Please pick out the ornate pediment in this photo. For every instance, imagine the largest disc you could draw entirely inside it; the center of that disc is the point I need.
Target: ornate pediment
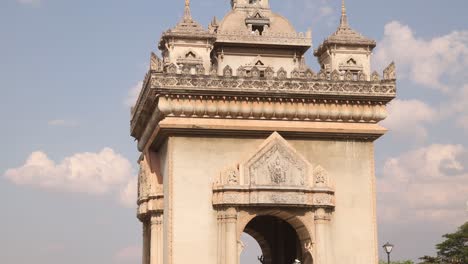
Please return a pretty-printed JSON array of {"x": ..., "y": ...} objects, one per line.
[
  {"x": 275, "y": 174},
  {"x": 276, "y": 163}
]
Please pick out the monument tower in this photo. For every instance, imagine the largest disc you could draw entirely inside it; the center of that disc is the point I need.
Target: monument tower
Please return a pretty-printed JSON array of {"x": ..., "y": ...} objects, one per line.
[{"x": 238, "y": 134}]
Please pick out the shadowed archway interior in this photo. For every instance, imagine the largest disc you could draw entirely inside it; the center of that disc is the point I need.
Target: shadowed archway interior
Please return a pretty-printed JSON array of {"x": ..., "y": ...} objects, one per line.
[{"x": 277, "y": 239}]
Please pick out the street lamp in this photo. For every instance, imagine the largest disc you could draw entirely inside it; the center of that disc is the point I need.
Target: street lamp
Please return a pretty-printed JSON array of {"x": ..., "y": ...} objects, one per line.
[{"x": 388, "y": 249}]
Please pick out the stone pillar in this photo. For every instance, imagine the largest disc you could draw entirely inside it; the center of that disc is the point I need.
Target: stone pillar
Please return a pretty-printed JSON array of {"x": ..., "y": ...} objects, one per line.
[
  {"x": 221, "y": 237},
  {"x": 323, "y": 249},
  {"x": 231, "y": 236},
  {"x": 156, "y": 244},
  {"x": 146, "y": 243}
]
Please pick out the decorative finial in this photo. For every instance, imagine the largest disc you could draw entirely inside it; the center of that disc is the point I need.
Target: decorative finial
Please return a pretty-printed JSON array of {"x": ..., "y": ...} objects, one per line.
[
  {"x": 187, "y": 13},
  {"x": 344, "y": 17}
]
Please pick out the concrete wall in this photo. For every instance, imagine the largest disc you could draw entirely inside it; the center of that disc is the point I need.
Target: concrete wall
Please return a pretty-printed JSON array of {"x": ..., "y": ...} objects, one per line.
[{"x": 197, "y": 162}]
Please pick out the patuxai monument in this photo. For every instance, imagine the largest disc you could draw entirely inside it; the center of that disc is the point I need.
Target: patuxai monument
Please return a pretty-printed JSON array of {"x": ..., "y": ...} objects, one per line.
[{"x": 238, "y": 135}]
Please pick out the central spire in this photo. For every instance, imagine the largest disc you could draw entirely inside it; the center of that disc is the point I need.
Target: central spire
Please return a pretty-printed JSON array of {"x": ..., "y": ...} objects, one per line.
[
  {"x": 344, "y": 17},
  {"x": 187, "y": 13}
]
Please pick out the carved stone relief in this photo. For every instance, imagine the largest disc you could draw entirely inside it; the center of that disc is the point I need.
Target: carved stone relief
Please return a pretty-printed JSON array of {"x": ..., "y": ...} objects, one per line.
[
  {"x": 144, "y": 181},
  {"x": 275, "y": 175},
  {"x": 390, "y": 72},
  {"x": 276, "y": 163}
]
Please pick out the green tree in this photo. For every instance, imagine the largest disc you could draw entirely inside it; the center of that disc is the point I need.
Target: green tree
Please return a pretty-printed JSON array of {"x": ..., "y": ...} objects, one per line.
[
  {"x": 454, "y": 250},
  {"x": 455, "y": 247},
  {"x": 429, "y": 260},
  {"x": 397, "y": 262}
]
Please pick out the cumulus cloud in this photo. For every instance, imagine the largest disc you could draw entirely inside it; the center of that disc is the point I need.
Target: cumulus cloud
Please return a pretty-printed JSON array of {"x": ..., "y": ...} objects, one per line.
[
  {"x": 427, "y": 184},
  {"x": 105, "y": 172},
  {"x": 129, "y": 193},
  {"x": 426, "y": 62},
  {"x": 409, "y": 117},
  {"x": 314, "y": 11},
  {"x": 133, "y": 94},
  {"x": 459, "y": 107}
]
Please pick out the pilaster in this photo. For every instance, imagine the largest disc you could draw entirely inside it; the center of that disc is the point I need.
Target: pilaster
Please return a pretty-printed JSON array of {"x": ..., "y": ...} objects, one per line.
[
  {"x": 146, "y": 242},
  {"x": 156, "y": 244},
  {"x": 323, "y": 248},
  {"x": 228, "y": 252}
]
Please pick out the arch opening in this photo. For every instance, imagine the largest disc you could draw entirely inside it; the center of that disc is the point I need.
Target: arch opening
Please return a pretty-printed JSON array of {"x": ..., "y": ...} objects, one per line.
[
  {"x": 277, "y": 239},
  {"x": 251, "y": 250}
]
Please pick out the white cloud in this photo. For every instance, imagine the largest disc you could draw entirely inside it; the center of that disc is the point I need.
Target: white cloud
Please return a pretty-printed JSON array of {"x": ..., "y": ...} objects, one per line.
[
  {"x": 408, "y": 117},
  {"x": 128, "y": 195},
  {"x": 314, "y": 11},
  {"x": 426, "y": 62},
  {"x": 62, "y": 123},
  {"x": 130, "y": 254},
  {"x": 459, "y": 107},
  {"x": 427, "y": 184},
  {"x": 133, "y": 94},
  {"x": 105, "y": 172}
]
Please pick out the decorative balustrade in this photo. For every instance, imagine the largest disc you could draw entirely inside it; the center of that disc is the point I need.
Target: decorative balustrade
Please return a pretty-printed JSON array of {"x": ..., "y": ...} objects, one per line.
[
  {"x": 309, "y": 84},
  {"x": 306, "y": 96}
]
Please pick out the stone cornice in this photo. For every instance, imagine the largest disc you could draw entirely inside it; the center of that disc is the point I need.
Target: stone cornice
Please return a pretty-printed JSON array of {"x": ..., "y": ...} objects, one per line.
[
  {"x": 173, "y": 126},
  {"x": 317, "y": 89}
]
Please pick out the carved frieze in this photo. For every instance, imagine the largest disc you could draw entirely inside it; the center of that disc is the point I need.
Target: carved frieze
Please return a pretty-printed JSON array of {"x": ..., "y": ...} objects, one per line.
[
  {"x": 144, "y": 180},
  {"x": 280, "y": 83},
  {"x": 150, "y": 193},
  {"x": 275, "y": 175},
  {"x": 270, "y": 109},
  {"x": 246, "y": 36}
]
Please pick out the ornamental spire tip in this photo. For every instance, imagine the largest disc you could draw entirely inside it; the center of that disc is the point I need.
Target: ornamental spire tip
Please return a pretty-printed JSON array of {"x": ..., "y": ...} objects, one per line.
[
  {"x": 187, "y": 13},
  {"x": 344, "y": 17}
]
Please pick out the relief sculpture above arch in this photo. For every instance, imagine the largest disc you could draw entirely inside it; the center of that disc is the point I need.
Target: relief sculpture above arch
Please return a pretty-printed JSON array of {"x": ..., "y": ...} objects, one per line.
[
  {"x": 275, "y": 163},
  {"x": 274, "y": 175}
]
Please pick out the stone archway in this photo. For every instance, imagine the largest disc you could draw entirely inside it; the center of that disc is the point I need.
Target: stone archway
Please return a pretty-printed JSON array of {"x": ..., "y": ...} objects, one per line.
[
  {"x": 262, "y": 243},
  {"x": 298, "y": 222},
  {"x": 274, "y": 186},
  {"x": 278, "y": 240}
]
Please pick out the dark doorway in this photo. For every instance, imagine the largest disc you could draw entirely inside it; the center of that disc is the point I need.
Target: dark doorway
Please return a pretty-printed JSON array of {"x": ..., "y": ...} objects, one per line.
[{"x": 277, "y": 239}]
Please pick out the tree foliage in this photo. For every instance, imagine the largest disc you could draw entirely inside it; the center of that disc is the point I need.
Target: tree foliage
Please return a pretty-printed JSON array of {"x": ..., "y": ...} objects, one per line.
[
  {"x": 453, "y": 250},
  {"x": 397, "y": 262}
]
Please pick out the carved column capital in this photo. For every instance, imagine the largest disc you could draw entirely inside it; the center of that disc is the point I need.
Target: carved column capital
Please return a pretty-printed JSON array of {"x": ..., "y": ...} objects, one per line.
[
  {"x": 156, "y": 219},
  {"x": 230, "y": 215},
  {"x": 322, "y": 215}
]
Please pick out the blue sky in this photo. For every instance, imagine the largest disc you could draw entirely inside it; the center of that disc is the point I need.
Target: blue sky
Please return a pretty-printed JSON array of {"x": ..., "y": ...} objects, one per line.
[{"x": 67, "y": 72}]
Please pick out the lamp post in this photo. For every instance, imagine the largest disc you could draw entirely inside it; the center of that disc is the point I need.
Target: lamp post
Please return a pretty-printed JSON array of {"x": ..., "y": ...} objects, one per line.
[{"x": 388, "y": 249}]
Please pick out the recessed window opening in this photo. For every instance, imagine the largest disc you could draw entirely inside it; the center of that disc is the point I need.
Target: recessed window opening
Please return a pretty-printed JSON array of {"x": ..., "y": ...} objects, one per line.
[
  {"x": 190, "y": 55},
  {"x": 259, "y": 63},
  {"x": 351, "y": 61},
  {"x": 259, "y": 28}
]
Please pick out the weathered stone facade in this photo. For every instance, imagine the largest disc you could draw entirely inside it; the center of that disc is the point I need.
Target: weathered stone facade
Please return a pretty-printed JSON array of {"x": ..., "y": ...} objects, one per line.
[{"x": 238, "y": 135}]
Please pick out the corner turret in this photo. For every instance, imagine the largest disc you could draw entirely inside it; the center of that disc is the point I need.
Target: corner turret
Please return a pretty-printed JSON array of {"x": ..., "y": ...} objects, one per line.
[
  {"x": 346, "y": 51},
  {"x": 186, "y": 48}
]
